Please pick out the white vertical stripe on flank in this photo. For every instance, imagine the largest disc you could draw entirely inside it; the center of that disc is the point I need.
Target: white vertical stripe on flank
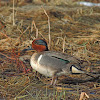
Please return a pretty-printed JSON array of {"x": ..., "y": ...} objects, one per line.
[{"x": 39, "y": 59}]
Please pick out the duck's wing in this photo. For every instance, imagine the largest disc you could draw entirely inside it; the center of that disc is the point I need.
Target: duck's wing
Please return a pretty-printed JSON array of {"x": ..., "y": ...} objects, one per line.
[
  {"x": 52, "y": 61},
  {"x": 64, "y": 56}
]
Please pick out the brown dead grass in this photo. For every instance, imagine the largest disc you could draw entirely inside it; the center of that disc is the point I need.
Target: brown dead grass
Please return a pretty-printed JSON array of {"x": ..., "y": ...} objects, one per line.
[{"x": 73, "y": 29}]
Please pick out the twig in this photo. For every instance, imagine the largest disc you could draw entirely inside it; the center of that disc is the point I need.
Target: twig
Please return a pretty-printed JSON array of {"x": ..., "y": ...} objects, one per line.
[
  {"x": 7, "y": 56},
  {"x": 42, "y": 35},
  {"x": 4, "y": 35},
  {"x": 82, "y": 96},
  {"x": 33, "y": 23},
  {"x": 64, "y": 44},
  {"x": 48, "y": 26},
  {"x": 22, "y": 32},
  {"x": 13, "y": 13}
]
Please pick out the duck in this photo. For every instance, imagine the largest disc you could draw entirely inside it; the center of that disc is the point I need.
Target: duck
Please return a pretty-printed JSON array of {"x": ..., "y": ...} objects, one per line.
[{"x": 52, "y": 63}]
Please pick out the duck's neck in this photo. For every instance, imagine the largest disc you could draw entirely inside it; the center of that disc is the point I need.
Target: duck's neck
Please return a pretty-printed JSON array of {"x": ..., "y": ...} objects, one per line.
[{"x": 46, "y": 49}]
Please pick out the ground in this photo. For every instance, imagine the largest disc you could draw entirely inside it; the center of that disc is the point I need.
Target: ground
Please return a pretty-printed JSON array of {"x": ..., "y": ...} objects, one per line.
[{"x": 67, "y": 27}]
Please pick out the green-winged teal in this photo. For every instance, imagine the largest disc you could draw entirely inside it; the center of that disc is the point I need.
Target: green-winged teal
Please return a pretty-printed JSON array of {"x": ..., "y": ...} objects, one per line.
[{"x": 52, "y": 63}]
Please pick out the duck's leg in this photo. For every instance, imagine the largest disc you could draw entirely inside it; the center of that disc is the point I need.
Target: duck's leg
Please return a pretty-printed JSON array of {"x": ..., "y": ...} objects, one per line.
[{"x": 54, "y": 80}]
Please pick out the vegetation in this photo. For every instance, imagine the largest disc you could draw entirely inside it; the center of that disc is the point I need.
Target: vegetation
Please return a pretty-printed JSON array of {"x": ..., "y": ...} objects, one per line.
[{"x": 67, "y": 27}]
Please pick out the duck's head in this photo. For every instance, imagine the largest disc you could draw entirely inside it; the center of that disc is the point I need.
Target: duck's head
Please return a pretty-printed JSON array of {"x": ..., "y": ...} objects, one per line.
[{"x": 39, "y": 45}]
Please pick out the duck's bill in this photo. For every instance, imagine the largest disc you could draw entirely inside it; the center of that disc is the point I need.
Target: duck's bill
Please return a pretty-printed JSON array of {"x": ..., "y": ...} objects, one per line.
[{"x": 28, "y": 49}]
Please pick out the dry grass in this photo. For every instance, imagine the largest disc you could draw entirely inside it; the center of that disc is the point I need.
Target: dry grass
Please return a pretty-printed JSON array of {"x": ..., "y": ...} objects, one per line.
[{"x": 72, "y": 29}]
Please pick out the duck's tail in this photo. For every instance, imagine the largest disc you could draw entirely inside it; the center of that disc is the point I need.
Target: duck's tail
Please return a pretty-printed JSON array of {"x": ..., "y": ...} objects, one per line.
[
  {"x": 75, "y": 70},
  {"x": 94, "y": 75}
]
